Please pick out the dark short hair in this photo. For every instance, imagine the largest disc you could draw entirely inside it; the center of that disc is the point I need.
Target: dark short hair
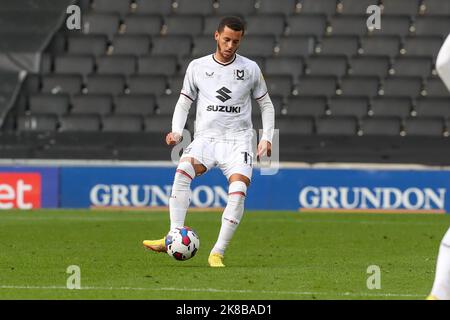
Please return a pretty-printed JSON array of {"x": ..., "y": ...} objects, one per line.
[{"x": 234, "y": 23}]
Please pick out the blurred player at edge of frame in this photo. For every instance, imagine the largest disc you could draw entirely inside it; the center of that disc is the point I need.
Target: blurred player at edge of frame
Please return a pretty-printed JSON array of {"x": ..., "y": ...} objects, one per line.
[
  {"x": 441, "y": 286},
  {"x": 223, "y": 84}
]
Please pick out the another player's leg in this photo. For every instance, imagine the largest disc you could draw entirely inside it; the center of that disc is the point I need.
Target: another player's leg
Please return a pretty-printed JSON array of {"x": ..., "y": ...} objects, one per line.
[
  {"x": 441, "y": 286},
  {"x": 179, "y": 200},
  {"x": 231, "y": 218}
]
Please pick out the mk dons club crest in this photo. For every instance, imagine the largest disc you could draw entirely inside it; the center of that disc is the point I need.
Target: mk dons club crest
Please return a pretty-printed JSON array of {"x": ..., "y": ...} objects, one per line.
[{"x": 239, "y": 74}]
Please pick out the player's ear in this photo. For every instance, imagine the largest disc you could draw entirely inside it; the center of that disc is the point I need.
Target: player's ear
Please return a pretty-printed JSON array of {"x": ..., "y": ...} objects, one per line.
[{"x": 216, "y": 35}]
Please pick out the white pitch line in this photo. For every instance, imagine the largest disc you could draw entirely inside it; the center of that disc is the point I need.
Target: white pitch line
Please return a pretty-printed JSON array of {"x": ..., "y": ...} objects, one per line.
[
  {"x": 212, "y": 290},
  {"x": 81, "y": 219},
  {"x": 205, "y": 218}
]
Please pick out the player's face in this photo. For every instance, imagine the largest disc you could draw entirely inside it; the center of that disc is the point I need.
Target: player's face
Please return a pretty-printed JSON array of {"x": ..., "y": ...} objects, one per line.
[{"x": 227, "y": 42}]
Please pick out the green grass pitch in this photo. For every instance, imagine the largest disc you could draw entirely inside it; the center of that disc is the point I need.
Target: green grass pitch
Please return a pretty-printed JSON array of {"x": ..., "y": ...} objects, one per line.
[{"x": 274, "y": 255}]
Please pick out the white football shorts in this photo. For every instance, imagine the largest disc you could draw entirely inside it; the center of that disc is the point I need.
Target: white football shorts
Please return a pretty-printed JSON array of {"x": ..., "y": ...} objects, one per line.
[{"x": 231, "y": 156}]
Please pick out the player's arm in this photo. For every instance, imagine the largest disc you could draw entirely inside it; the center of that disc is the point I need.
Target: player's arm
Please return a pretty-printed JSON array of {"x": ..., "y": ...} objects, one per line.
[
  {"x": 261, "y": 95},
  {"x": 187, "y": 96},
  {"x": 179, "y": 118},
  {"x": 443, "y": 62},
  {"x": 268, "y": 122}
]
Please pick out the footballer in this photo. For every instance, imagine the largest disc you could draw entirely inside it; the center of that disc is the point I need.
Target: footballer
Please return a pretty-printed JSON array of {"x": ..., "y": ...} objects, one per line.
[
  {"x": 223, "y": 83},
  {"x": 441, "y": 286}
]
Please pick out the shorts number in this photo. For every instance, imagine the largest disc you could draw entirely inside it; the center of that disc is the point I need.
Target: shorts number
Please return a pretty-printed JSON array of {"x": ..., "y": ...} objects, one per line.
[{"x": 248, "y": 159}]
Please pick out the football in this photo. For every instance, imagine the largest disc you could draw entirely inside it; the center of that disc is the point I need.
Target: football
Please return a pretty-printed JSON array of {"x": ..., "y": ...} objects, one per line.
[{"x": 182, "y": 243}]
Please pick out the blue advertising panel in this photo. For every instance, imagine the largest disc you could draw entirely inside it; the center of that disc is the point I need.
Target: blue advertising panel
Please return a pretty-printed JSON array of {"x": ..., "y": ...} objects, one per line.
[
  {"x": 83, "y": 187},
  {"x": 28, "y": 187},
  {"x": 290, "y": 189},
  {"x": 351, "y": 190}
]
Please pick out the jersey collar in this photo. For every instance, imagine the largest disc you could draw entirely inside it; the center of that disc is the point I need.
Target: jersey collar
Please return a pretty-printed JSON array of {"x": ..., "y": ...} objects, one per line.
[{"x": 224, "y": 64}]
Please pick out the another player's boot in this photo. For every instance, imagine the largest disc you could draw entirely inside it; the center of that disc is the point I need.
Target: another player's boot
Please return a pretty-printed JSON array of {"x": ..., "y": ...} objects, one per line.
[
  {"x": 215, "y": 260},
  {"x": 431, "y": 297},
  {"x": 156, "y": 245}
]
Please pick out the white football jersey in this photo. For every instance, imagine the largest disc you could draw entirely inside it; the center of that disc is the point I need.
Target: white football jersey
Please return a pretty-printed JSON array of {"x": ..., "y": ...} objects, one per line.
[{"x": 223, "y": 93}]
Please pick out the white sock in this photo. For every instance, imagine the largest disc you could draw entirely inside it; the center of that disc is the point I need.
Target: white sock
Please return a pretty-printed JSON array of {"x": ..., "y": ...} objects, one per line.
[
  {"x": 181, "y": 194},
  {"x": 232, "y": 215},
  {"x": 441, "y": 286}
]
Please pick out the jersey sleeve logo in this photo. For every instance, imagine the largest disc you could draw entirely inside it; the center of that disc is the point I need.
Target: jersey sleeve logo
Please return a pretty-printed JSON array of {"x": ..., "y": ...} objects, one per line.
[{"x": 223, "y": 96}]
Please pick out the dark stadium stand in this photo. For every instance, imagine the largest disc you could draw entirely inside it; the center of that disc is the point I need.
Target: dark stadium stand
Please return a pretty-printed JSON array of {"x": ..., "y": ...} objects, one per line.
[{"x": 342, "y": 92}]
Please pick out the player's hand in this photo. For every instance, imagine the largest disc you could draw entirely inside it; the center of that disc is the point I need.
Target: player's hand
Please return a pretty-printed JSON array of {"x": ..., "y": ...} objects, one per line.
[
  {"x": 173, "y": 138},
  {"x": 264, "y": 148}
]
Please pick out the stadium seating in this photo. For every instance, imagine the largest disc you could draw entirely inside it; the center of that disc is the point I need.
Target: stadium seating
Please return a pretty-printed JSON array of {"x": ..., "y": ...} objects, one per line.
[
  {"x": 437, "y": 7},
  {"x": 136, "y": 104},
  {"x": 432, "y": 126},
  {"x": 295, "y": 46},
  {"x": 314, "y": 106},
  {"x": 203, "y": 7},
  {"x": 390, "y": 106},
  {"x": 311, "y": 24},
  {"x": 235, "y": 7},
  {"x": 281, "y": 66},
  {"x": 422, "y": 46},
  {"x": 144, "y": 24},
  {"x": 381, "y": 126},
  {"x": 286, "y": 7},
  {"x": 100, "y": 104},
  {"x": 131, "y": 44},
  {"x": 265, "y": 24},
  {"x": 317, "y": 85},
  {"x": 86, "y": 44},
  {"x": 432, "y": 107},
  {"x": 338, "y": 125},
  {"x": 343, "y": 45},
  {"x": 348, "y": 25},
  {"x": 349, "y": 106},
  {"x": 107, "y": 6},
  {"x": 359, "y": 85},
  {"x": 37, "y": 123},
  {"x": 327, "y": 73},
  {"x": 327, "y": 65},
  {"x": 82, "y": 64},
  {"x": 431, "y": 26},
  {"x": 79, "y": 123},
  {"x": 327, "y": 7},
  {"x": 159, "y": 7},
  {"x": 101, "y": 23},
  {"x": 380, "y": 45},
  {"x": 369, "y": 66},
  {"x": 349, "y": 7},
  {"x": 400, "y": 7},
  {"x": 56, "y": 104},
  {"x": 395, "y": 25}
]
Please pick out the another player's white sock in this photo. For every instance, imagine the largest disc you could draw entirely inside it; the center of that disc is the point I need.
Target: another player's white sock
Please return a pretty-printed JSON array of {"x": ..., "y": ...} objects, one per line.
[
  {"x": 181, "y": 194},
  {"x": 232, "y": 215},
  {"x": 441, "y": 286}
]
